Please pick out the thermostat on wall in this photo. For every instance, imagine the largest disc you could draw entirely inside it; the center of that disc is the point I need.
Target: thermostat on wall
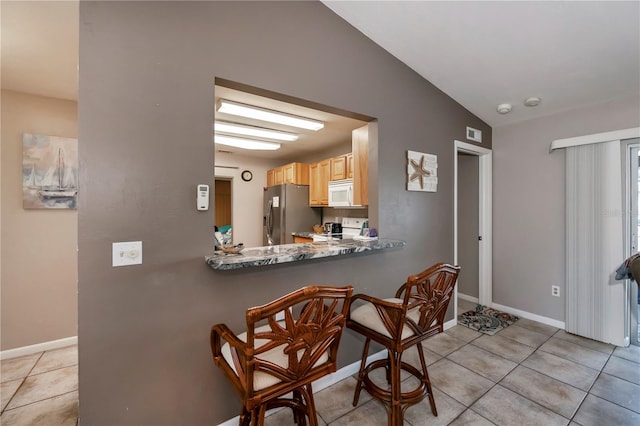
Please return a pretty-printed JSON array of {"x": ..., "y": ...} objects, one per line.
[{"x": 202, "y": 199}]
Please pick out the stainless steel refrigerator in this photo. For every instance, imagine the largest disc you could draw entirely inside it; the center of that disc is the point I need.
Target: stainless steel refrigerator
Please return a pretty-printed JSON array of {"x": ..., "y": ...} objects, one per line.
[{"x": 286, "y": 210}]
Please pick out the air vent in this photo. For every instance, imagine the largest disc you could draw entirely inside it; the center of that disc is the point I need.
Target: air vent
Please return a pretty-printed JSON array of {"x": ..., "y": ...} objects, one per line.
[{"x": 474, "y": 134}]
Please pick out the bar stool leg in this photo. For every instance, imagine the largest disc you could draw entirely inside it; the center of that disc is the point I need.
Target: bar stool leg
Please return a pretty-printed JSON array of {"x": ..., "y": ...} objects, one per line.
[
  {"x": 432, "y": 401},
  {"x": 311, "y": 406},
  {"x": 298, "y": 415},
  {"x": 396, "y": 397},
  {"x": 365, "y": 352},
  {"x": 257, "y": 416},
  {"x": 245, "y": 417}
]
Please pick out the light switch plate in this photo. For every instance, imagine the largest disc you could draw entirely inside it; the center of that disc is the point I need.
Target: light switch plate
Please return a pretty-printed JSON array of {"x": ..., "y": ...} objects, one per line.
[{"x": 127, "y": 253}]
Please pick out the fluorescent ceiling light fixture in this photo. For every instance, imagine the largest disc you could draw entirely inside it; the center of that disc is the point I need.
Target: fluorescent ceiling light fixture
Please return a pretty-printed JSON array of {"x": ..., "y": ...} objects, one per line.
[
  {"x": 228, "y": 107},
  {"x": 257, "y": 132},
  {"x": 246, "y": 143}
]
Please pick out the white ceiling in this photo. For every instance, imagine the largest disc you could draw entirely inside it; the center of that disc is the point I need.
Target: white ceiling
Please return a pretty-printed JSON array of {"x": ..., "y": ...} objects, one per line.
[
  {"x": 336, "y": 133},
  {"x": 482, "y": 54}
]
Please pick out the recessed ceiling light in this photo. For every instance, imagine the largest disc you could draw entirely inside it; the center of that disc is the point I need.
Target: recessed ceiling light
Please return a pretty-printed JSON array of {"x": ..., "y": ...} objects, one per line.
[
  {"x": 246, "y": 143},
  {"x": 504, "y": 108},
  {"x": 249, "y": 111},
  {"x": 257, "y": 132},
  {"x": 532, "y": 101}
]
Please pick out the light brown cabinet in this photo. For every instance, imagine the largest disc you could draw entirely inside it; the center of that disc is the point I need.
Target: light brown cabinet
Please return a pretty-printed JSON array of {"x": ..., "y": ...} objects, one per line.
[
  {"x": 271, "y": 179},
  {"x": 278, "y": 176},
  {"x": 354, "y": 165},
  {"x": 298, "y": 239},
  {"x": 319, "y": 174},
  {"x": 360, "y": 146},
  {"x": 338, "y": 167},
  {"x": 295, "y": 173}
]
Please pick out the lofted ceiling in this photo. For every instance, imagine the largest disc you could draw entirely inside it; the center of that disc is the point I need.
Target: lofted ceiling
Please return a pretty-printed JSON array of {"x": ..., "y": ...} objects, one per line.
[
  {"x": 482, "y": 53},
  {"x": 570, "y": 54}
]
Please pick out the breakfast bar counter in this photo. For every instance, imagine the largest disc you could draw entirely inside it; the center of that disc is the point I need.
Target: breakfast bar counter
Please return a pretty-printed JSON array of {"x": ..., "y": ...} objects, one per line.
[{"x": 271, "y": 255}]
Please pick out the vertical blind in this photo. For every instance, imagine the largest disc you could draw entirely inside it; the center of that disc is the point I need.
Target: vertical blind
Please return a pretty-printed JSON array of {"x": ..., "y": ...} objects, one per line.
[{"x": 596, "y": 304}]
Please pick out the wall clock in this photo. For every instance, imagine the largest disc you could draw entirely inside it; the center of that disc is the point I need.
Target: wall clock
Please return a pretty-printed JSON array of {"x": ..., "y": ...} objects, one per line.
[{"x": 246, "y": 175}]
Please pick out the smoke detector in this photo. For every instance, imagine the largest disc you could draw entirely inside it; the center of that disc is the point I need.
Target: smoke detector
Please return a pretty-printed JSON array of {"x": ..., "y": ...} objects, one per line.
[
  {"x": 532, "y": 101},
  {"x": 504, "y": 108}
]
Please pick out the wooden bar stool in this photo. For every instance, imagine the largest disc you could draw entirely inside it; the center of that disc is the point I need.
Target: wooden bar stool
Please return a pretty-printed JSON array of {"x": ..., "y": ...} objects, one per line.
[
  {"x": 275, "y": 358},
  {"x": 415, "y": 314}
]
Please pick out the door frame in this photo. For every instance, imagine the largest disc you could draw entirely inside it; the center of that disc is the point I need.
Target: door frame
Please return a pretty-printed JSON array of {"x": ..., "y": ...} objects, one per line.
[
  {"x": 231, "y": 180},
  {"x": 485, "y": 214},
  {"x": 630, "y": 209}
]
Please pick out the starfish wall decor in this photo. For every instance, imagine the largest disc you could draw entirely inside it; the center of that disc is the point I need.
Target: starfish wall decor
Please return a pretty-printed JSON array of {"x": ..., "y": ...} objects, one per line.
[{"x": 422, "y": 172}]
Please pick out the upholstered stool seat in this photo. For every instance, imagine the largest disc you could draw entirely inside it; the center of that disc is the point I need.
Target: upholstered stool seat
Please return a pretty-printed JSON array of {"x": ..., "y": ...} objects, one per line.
[
  {"x": 415, "y": 313},
  {"x": 277, "y": 356},
  {"x": 273, "y": 363}
]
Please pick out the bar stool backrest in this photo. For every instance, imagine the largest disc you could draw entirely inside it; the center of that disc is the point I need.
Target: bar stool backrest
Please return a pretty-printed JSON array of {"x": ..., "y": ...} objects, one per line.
[{"x": 429, "y": 293}]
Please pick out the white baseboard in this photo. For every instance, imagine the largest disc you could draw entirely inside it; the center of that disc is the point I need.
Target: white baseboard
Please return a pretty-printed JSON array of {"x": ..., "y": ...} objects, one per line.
[
  {"x": 326, "y": 381},
  {"x": 529, "y": 315},
  {"x": 39, "y": 347},
  {"x": 451, "y": 323},
  {"x": 468, "y": 298}
]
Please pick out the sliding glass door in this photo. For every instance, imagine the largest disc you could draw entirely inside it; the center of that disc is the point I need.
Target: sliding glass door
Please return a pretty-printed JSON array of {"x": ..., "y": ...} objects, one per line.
[{"x": 632, "y": 198}]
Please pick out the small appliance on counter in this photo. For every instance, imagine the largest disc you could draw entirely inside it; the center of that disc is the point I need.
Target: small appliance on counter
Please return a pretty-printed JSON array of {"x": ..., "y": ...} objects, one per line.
[
  {"x": 332, "y": 232},
  {"x": 333, "y": 228}
]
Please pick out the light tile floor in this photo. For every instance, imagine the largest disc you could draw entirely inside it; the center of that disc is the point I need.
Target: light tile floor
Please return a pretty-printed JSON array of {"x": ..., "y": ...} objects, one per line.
[
  {"x": 40, "y": 389},
  {"x": 528, "y": 373}
]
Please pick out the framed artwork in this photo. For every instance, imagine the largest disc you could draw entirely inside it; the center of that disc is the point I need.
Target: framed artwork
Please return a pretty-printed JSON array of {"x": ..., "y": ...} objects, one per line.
[
  {"x": 49, "y": 172},
  {"x": 422, "y": 172}
]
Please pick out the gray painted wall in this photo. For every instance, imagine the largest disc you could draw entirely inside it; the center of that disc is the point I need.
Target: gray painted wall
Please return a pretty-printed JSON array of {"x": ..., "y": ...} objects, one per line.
[
  {"x": 528, "y": 203},
  {"x": 468, "y": 217},
  {"x": 145, "y": 110}
]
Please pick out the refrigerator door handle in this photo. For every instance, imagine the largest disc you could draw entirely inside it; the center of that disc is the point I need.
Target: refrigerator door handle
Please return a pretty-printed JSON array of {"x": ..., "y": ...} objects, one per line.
[{"x": 270, "y": 222}]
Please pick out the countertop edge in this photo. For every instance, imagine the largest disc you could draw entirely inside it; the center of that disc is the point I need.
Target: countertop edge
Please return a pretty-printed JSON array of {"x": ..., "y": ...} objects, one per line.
[{"x": 262, "y": 256}]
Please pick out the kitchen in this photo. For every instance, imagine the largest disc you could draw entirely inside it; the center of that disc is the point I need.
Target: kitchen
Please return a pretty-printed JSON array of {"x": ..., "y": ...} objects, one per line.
[{"x": 330, "y": 161}]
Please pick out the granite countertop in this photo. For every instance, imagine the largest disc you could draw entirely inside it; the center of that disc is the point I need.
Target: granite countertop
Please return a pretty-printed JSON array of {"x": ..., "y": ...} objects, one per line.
[
  {"x": 271, "y": 255},
  {"x": 304, "y": 234}
]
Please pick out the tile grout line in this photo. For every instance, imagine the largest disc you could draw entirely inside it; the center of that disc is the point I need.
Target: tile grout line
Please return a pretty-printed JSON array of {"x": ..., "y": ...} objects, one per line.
[
  {"x": 22, "y": 383},
  {"x": 519, "y": 364},
  {"x": 39, "y": 401},
  {"x": 585, "y": 391},
  {"x": 591, "y": 387},
  {"x": 5, "y": 409}
]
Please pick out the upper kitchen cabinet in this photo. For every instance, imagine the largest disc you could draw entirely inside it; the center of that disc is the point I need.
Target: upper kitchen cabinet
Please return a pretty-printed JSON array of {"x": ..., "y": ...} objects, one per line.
[
  {"x": 295, "y": 173},
  {"x": 339, "y": 168},
  {"x": 278, "y": 176},
  {"x": 319, "y": 174},
  {"x": 360, "y": 146},
  {"x": 271, "y": 177}
]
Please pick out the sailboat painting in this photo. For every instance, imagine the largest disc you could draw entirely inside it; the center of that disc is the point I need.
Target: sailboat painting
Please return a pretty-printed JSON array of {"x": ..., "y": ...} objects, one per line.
[{"x": 49, "y": 172}]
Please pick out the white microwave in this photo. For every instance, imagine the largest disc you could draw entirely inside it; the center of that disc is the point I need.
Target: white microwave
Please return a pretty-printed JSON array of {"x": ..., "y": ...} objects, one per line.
[{"x": 341, "y": 193}]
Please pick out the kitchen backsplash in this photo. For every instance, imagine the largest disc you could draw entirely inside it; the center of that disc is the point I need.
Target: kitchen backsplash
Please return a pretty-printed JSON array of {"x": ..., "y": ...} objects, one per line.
[{"x": 333, "y": 214}]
